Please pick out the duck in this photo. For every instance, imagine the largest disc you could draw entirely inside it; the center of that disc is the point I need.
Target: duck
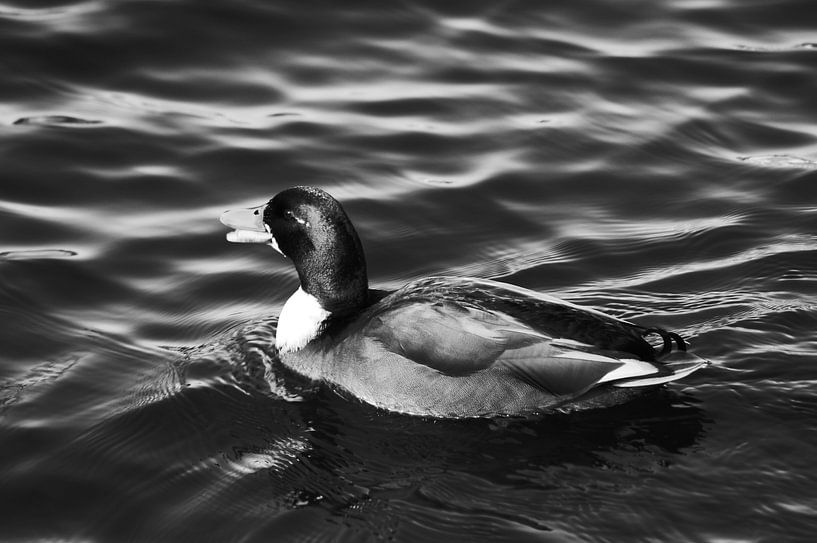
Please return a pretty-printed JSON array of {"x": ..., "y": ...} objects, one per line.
[{"x": 444, "y": 346}]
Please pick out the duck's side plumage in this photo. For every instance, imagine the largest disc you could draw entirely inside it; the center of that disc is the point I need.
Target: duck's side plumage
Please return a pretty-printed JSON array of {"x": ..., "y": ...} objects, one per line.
[{"x": 461, "y": 347}]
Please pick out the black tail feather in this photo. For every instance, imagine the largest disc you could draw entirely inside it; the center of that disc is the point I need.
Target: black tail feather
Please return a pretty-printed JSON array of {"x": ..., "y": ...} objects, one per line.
[
  {"x": 668, "y": 338},
  {"x": 679, "y": 341}
]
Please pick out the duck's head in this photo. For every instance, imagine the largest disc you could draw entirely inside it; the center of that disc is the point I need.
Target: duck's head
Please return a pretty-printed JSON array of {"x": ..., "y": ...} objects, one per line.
[{"x": 309, "y": 227}]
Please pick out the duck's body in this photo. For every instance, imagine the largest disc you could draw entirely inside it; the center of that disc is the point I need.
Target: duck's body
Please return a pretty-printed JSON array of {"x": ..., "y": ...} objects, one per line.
[{"x": 444, "y": 346}]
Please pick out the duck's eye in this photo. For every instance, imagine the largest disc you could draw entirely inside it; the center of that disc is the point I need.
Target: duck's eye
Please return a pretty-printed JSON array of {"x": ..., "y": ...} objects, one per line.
[
  {"x": 290, "y": 216},
  {"x": 255, "y": 212}
]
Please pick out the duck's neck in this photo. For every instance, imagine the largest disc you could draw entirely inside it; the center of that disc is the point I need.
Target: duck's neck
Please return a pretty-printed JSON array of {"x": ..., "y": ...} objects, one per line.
[
  {"x": 301, "y": 320},
  {"x": 332, "y": 271},
  {"x": 332, "y": 268}
]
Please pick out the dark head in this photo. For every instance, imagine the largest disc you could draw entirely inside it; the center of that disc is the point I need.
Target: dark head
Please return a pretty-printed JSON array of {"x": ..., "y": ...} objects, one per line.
[{"x": 310, "y": 228}]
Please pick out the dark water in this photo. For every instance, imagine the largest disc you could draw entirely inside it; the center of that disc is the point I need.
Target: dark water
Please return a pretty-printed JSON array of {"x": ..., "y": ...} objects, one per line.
[{"x": 657, "y": 160}]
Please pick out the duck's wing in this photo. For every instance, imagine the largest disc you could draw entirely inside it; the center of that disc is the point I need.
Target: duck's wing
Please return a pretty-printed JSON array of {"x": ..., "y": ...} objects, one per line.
[
  {"x": 457, "y": 340},
  {"x": 542, "y": 313}
]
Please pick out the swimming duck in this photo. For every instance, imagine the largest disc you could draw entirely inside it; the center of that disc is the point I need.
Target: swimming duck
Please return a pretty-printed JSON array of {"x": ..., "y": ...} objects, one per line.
[{"x": 443, "y": 346}]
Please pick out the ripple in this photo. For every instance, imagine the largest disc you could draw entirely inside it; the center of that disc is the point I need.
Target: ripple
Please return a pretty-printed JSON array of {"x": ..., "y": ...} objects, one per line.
[
  {"x": 56, "y": 120},
  {"x": 33, "y": 254},
  {"x": 68, "y": 17},
  {"x": 11, "y": 392},
  {"x": 767, "y": 49},
  {"x": 780, "y": 161}
]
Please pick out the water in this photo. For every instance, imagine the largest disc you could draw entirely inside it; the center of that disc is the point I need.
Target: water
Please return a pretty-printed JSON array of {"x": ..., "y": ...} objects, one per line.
[{"x": 657, "y": 160}]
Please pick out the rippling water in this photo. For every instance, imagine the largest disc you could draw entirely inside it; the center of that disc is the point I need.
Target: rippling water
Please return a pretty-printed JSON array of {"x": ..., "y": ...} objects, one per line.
[{"x": 657, "y": 160}]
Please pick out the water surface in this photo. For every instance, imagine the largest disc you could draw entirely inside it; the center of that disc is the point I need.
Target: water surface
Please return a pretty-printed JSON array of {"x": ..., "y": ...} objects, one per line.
[{"x": 656, "y": 160}]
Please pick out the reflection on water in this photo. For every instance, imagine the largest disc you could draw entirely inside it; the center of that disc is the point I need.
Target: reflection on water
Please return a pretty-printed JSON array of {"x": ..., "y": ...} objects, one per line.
[{"x": 655, "y": 161}]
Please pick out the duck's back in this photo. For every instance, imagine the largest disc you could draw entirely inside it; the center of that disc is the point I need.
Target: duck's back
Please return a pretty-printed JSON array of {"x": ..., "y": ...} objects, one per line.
[{"x": 478, "y": 300}]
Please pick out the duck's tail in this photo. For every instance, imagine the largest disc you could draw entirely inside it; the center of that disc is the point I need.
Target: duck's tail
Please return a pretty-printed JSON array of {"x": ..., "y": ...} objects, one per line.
[{"x": 674, "y": 365}]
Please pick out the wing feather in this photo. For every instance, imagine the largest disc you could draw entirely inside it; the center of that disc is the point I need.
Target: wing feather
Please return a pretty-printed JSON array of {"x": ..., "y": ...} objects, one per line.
[{"x": 459, "y": 340}]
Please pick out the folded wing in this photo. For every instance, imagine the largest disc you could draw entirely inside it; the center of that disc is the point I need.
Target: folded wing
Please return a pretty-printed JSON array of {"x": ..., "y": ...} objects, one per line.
[{"x": 459, "y": 339}]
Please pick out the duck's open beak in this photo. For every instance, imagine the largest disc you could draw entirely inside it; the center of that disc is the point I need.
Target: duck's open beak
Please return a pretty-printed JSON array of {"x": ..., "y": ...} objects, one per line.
[{"x": 248, "y": 224}]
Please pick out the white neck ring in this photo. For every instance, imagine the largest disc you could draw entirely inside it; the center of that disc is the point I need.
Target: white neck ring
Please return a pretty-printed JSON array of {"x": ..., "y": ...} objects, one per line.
[{"x": 300, "y": 322}]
